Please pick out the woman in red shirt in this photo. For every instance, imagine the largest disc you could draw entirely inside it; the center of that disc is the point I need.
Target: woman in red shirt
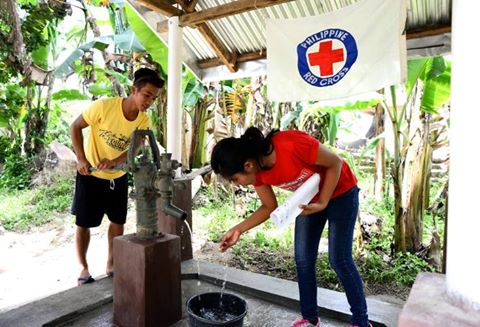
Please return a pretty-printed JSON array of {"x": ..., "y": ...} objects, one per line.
[{"x": 286, "y": 159}]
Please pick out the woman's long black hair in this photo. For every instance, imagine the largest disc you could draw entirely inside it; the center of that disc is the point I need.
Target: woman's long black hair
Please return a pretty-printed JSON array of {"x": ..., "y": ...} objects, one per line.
[{"x": 230, "y": 154}]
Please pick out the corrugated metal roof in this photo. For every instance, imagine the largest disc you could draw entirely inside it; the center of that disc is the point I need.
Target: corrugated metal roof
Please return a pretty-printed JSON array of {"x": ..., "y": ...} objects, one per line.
[{"x": 245, "y": 32}]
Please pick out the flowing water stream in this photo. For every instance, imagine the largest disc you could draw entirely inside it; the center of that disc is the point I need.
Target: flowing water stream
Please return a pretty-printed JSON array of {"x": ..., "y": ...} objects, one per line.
[
  {"x": 218, "y": 313},
  {"x": 191, "y": 239}
]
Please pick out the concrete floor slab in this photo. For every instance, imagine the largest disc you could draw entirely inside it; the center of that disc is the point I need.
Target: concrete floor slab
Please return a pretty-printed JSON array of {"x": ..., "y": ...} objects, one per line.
[
  {"x": 429, "y": 306},
  {"x": 260, "y": 313},
  {"x": 272, "y": 301},
  {"x": 283, "y": 292}
]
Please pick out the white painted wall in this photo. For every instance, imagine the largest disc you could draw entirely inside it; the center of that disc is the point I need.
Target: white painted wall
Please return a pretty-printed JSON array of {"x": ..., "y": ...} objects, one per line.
[{"x": 463, "y": 248}]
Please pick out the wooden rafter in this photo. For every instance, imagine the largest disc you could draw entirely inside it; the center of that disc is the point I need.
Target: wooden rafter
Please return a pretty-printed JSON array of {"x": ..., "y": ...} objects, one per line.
[
  {"x": 224, "y": 56},
  {"x": 191, "y": 6},
  {"x": 192, "y": 18},
  {"x": 163, "y": 7},
  {"x": 232, "y": 8},
  {"x": 429, "y": 32},
  {"x": 250, "y": 56}
]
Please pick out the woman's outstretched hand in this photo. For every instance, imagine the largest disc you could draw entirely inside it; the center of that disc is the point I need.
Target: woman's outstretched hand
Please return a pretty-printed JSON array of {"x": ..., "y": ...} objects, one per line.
[
  {"x": 308, "y": 209},
  {"x": 230, "y": 238}
]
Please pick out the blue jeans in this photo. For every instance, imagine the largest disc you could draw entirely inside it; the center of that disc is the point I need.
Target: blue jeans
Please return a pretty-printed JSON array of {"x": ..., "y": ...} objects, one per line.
[{"x": 341, "y": 214}]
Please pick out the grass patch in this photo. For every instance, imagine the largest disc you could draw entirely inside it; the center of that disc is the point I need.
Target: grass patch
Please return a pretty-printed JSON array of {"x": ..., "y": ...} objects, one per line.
[
  {"x": 22, "y": 209},
  {"x": 267, "y": 251}
]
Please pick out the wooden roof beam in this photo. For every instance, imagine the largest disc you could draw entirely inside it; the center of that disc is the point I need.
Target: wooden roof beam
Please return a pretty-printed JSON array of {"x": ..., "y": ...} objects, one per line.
[
  {"x": 232, "y": 8},
  {"x": 224, "y": 56},
  {"x": 437, "y": 30},
  {"x": 191, "y": 6},
  {"x": 250, "y": 56},
  {"x": 163, "y": 7}
]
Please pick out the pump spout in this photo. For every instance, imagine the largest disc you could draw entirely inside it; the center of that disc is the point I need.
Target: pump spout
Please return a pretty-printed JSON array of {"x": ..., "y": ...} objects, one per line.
[{"x": 173, "y": 211}]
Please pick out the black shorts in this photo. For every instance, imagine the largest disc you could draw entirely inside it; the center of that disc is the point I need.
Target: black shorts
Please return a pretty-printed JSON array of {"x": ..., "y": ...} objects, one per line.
[{"x": 95, "y": 197}]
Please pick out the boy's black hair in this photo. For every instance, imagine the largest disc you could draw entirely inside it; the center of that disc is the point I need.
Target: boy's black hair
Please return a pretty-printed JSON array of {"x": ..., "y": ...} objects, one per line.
[
  {"x": 230, "y": 154},
  {"x": 146, "y": 75}
]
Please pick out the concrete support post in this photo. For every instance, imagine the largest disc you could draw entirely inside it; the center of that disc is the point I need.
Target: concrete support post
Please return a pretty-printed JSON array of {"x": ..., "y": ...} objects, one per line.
[
  {"x": 463, "y": 264},
  {"x": 174, "y": 109},
  {"x": 454, "y": 299}
]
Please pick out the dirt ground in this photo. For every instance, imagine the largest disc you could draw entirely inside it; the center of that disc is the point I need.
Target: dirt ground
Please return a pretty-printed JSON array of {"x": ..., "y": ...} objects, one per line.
[{"x": 42, "y": 262}]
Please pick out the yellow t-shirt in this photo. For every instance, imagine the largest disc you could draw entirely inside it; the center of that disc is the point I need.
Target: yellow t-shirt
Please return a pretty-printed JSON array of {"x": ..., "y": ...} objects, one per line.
[{"x": 110, "y": 133}]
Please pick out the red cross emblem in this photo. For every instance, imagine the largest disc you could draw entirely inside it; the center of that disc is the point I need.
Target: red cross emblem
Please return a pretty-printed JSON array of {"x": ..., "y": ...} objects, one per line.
[{"x": 326, "y": 57}]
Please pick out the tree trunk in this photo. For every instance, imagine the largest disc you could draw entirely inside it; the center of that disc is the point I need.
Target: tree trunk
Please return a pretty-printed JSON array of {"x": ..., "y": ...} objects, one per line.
[
  {"x": 161, "y": 124},
  {"x": 19, "y": 57},
  {"x": 445, "y": 233},
  {"x": 250, "y": 112},
  {"x": 379, "y": 179},
  {"x": 29, "y": 125},
  {"x": 197, "y": 147},
  {"x": 416, "y": 174},
  {"x": 263, "y": 116},
  {"x": 397, "y": 175}
]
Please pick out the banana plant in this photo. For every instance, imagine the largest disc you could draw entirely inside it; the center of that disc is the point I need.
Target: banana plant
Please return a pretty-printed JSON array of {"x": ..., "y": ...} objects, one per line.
[
  {"x": 427, "y": 90},
  {"x": 195, "y": 102},
  {"x": 148, "y": 38},
  {"x": 322, "y": 119}
]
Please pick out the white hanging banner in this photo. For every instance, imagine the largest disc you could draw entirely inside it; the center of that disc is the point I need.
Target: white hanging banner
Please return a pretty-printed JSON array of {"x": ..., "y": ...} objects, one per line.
[{"x": 356, "y": 49}]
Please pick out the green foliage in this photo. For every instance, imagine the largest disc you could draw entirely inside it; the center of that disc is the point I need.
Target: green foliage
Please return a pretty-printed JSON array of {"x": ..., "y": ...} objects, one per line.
[
  {"x": 193, "y": 90},
  {"x": 262, "y": 240},
  {"x": 55, "y": 197},
  {"x": 382, "y": 209},
  {"x": 12, "y": 99},
  {"x": 218, "y": 210},
  {"x": 434, "y": 73},
  {"x": 401, "y": 270},
  {"x": 148, "y": 38},
  {"x": 58, "y": 128},
  {"x": 5, "y": 146},
  {"x": 36, "y": 19},
  {"x": 376, "y": 264},
  {"x": 220, "y": 223},
  {"x": 17, "y": 172},
  {"x": 20, "y": 210},
  {"x": 326, "y": 276},
  {"x": 69, "y": 95}
]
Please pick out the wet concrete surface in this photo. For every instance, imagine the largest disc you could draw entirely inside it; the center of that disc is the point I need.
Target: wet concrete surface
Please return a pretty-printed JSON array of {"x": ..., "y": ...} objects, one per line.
[
  {"x": 271, "y": 301},
  {"x": 260, "y": 313}
]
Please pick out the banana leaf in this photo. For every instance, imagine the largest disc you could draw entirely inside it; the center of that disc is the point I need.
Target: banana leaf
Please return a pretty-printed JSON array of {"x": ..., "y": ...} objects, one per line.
[
  {"x": 66, "y": 68},
  {"x": 71, "y": 94},
  {"x": 126, "y": 41},
  {"x": 148, "y": 38},
  {"x": 435, "y": 76}
]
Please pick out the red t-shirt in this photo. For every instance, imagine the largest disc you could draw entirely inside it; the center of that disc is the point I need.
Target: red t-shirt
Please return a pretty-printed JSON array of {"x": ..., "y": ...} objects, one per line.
[{"x": 296, "y": 154}]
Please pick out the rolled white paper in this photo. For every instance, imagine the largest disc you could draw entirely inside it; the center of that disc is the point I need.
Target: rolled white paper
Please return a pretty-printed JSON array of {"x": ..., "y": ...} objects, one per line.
[{"x": 288, "y": 211}]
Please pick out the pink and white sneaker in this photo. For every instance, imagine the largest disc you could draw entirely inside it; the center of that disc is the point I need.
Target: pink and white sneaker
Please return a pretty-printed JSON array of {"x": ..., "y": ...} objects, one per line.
[{"x": 304, "y": 323}]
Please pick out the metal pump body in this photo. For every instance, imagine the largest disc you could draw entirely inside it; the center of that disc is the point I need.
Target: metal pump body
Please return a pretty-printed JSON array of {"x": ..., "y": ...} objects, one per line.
[{"x": 153, "y": 178}]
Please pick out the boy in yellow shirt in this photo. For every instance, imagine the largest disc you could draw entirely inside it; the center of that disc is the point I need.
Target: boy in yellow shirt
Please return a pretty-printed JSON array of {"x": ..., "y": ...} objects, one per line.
[{"x": 104, "y": 191}]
